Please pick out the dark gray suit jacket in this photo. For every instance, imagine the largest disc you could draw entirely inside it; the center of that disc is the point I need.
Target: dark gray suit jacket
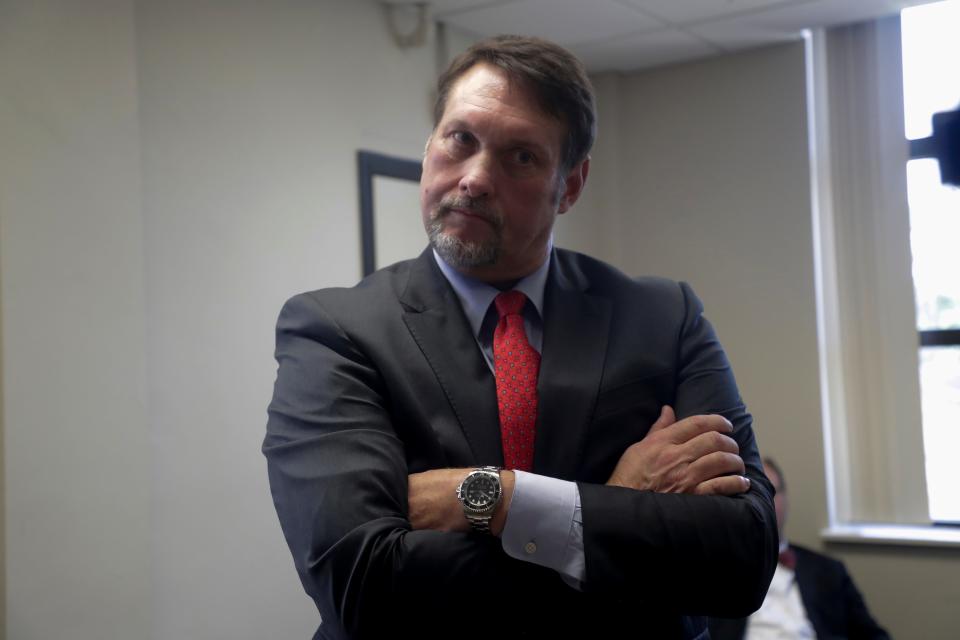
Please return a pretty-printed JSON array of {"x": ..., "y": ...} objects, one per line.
[{"x": 386, "y": 379}]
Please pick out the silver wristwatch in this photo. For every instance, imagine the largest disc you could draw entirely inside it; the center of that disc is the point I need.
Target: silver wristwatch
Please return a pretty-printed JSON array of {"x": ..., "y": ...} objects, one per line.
[{"x": 480, "y": 493}]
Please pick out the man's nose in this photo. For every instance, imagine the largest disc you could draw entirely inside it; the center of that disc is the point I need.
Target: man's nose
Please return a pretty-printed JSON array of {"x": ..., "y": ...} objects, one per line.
[{"x": 477, "y": 179}]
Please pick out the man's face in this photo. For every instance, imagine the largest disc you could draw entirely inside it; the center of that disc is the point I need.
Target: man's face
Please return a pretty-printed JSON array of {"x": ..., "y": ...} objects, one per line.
[
  {"x": 492, "y": 185},
  {"x": 780, "y": 499}
]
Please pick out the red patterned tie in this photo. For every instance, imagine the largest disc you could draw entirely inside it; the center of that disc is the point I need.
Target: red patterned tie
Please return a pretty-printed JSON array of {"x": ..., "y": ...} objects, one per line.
[
  {"x": 516, "y": 365},
  {"x": 788, "y": 558}
]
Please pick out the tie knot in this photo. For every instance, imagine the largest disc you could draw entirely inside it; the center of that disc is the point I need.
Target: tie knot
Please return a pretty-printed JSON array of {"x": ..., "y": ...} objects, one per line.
[{"x": 509, "y": 303}]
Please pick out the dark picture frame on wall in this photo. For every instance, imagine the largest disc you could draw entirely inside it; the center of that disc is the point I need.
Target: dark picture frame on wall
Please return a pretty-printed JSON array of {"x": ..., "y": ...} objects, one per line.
[{"x": 371, "y": 164}]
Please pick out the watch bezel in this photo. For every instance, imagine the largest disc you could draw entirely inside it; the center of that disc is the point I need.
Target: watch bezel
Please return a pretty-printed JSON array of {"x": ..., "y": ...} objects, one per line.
[{"x": 492, "y": 473}]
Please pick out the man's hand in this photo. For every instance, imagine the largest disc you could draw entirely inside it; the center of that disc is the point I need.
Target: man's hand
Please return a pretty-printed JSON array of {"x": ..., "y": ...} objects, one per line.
[
  {"x": 694, "y": 455},
  {"x": 432, "y": 497}
]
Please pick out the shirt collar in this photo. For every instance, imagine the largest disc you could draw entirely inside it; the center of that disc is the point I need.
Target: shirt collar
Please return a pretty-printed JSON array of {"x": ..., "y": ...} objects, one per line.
[{"x": 475, "y": 296}]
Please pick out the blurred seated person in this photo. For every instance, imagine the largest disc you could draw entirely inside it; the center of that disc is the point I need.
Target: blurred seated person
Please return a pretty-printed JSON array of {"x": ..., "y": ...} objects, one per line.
[{"x": 811, "y": 595}]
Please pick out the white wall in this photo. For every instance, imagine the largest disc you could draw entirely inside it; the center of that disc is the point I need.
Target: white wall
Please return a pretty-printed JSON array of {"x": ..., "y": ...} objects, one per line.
[
  {"x": 78, "y": 520},
  {"x": 170, "y": 172}
]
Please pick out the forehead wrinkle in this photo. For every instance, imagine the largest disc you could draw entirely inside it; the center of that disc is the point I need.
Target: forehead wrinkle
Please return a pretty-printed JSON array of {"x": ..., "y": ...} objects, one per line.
[
  {"x": 487, "y": 87},
  {"x": 494, "y": 102}
]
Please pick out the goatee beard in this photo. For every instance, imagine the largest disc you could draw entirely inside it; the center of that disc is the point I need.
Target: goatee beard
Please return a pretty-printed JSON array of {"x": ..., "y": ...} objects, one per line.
[{"x": 462, "y": 254}]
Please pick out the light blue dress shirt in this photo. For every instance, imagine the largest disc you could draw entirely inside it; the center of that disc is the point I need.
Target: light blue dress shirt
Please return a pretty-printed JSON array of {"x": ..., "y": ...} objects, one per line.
[{"x": 544, "y": 524}]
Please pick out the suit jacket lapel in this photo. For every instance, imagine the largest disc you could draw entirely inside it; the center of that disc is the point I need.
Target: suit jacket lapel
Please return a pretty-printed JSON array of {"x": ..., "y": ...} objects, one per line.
[
  {"x": 576, "y": 327},
  {"x": 435, "y": 319}
]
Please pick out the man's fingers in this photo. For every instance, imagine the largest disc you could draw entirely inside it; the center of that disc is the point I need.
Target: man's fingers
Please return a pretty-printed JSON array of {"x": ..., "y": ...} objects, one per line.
[
  {"x": 691, "y": 427},
  {"x": 724, "y": 486},
  {"x": 667, "y": 418},
  {"x": 715, "y": 465},
  {"x": 707, "y": 443}
]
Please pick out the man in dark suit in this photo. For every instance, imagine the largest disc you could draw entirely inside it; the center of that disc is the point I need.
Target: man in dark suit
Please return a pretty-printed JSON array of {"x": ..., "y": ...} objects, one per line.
[
  {"x": 500, "y": 438},
  {"x": 811, "y": 596}
]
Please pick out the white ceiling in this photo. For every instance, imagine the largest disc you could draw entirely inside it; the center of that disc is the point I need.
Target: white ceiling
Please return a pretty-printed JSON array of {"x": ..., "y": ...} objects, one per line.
[{"x": 625, "y": 35}]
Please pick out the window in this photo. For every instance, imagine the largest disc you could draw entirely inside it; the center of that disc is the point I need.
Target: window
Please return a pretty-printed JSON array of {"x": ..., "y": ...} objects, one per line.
[
  {"x": 930, "y": 52},
  {"x": 877, "y": 422}
]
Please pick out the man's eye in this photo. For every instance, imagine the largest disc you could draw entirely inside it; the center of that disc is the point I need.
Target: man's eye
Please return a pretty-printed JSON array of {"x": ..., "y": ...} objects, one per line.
[
  {"x": 461, "y": 137},
  {"x": 523, "y": 157}
]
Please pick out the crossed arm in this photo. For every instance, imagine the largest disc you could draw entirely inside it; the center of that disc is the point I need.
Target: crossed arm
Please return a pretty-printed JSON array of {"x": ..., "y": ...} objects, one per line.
[{"x": 693, "y": 456}]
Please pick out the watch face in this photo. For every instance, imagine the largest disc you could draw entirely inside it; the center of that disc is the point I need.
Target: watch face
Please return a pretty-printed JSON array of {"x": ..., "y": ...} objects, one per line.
[{"x": 481, "y": 491}]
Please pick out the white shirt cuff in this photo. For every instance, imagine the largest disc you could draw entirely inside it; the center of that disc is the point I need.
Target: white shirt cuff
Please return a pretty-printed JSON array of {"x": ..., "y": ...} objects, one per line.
[{"x": 544, "y": 525}]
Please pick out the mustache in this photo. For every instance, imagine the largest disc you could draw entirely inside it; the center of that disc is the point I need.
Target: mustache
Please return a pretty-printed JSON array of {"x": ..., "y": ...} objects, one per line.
[{"x": 476, "y": 206}]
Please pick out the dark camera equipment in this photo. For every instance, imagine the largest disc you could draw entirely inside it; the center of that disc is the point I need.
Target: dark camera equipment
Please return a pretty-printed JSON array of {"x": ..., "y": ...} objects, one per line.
[{"x": 944, "y": 145}]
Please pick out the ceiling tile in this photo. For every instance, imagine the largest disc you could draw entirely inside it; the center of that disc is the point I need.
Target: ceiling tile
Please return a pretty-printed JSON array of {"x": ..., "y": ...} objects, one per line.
[
  {"x": 606, "y": 32},
  {"x": 733, "y": 34},
  {"x": 564, "y": 21},
  {"x": 824, "y": 13},
  {"x": 684, "y": 11},
  {"x": 642, "y": 51},
  {"x": 440, "y": 8},
  {"x": 786, "y": 22}
]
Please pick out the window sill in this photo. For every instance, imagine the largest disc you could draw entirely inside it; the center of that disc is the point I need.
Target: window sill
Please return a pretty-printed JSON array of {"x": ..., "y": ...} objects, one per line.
[{"x": 894, "y": 534}]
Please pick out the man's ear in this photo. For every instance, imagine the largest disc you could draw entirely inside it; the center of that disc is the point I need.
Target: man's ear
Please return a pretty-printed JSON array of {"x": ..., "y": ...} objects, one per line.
[{"x": 573, "y": 185}]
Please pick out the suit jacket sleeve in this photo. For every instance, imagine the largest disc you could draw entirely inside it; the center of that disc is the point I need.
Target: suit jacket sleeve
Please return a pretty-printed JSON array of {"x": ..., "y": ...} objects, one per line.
[
  {"x": 709, "y": 555},
  {"x": 338, "y": 476}
]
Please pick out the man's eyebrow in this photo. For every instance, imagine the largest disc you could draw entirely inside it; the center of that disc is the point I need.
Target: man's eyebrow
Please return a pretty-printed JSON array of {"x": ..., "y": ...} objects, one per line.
[
  {"x": 455, "y": 123},
  {"x": 511, "y": 141},
  {"x": 524, "y": 142}
]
